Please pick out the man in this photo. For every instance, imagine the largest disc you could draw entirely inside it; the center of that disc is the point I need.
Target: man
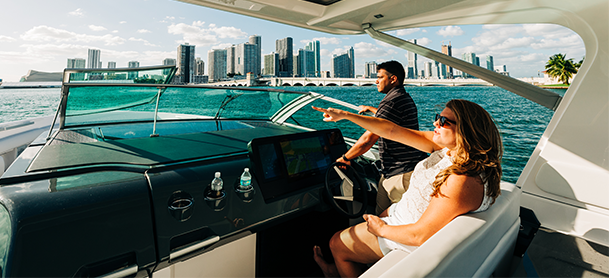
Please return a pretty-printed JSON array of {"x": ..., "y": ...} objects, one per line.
[{"x": 397, "y": 160}]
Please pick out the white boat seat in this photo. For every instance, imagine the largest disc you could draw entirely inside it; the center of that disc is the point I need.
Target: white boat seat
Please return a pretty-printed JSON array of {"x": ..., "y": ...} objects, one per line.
[{"x": 472, "y": 245}]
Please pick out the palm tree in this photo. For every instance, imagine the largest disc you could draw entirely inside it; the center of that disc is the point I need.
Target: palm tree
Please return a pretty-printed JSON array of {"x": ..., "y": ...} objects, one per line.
[{"x": 560, "y": 67}]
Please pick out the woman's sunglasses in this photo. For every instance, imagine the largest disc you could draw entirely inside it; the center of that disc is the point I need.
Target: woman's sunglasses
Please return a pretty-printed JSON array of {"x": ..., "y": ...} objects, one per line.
[{"x": 443, "y": 120}]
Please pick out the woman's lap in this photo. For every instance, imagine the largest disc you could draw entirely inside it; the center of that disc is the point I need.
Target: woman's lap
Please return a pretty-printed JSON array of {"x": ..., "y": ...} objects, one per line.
[{"x": 357, "y": 244}]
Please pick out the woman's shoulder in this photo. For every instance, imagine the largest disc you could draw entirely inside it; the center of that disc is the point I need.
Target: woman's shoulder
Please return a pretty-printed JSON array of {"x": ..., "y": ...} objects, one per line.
[{"x": 468, "y": 190}]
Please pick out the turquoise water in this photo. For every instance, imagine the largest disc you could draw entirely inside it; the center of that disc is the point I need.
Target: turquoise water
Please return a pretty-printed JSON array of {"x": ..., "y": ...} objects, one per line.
[{"x": 521, "y": 122}]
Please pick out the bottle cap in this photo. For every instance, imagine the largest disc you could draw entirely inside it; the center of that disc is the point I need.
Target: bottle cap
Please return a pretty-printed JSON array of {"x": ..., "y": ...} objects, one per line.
[
  {"x": 217, "y": 174},
  {"x": 246, "y": 169}
]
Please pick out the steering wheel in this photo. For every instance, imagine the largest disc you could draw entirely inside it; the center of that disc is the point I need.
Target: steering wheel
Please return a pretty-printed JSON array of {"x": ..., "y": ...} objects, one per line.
[{"x": 346, "y": 190}]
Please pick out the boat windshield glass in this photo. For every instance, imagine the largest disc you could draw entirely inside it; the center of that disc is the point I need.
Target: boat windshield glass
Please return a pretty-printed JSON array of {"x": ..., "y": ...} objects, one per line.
[
  {"x": 96, "y": 104},
  {"x": 143, "y": 75}
]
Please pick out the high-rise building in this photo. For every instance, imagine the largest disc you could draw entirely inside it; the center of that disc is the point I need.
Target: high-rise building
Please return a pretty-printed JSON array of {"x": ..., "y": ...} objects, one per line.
[
  {"x": 284, "y": 47},
  {"x": 133, "y": 74},
  {"x": 315, "y": 47},
  {"x": 199, "y": 66},
  {"x": 216, "y": 65},
  {"x": 186, "y": 62},
  {"x": 169, "y": 62},
  {"x": 428, "y": 72},
  {"x": 271, "y": 64},
  {"x": 111, "y": 65},
  {"x": 469, "y": 57},
  {"x": 447, "y": 50},
  {"x": 304, "y": 63},
  {"x": 94, "y": 60},
  {"x": 230, "y": 60},
  {"x": 245, "y": 58},
  {"x": 490, "y": 65},
  {"x": 370, "y": 70},
  {"x": 76, "y": 63},
  {"x": 257, "y": 40},
  {"x": 343, "y": 65},
  {"x": 413, "y": 70}
]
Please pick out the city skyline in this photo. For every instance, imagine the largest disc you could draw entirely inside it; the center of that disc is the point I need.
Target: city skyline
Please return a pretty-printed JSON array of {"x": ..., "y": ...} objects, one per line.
[{"x": 42, "y": 39}]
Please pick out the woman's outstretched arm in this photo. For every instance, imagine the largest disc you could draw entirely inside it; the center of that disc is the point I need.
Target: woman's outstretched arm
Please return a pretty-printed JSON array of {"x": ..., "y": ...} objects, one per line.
[{"x": 421, "y": 140}]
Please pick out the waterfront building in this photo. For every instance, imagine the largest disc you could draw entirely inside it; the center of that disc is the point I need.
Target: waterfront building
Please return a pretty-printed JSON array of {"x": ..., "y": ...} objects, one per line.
[
  {"x": 133, "y": 74},
  {"x": 216, "y": 68},
  {"x": 370, "y": 70},
  {"x": 412, "y": 63},
  {"x": 469, "y": 57},
  {"x": 326, "y": 74},
  {"x": 199, "y": 67},
  {"x": 111, "y": 65},
  {"x": 257, "y": 40},
  {"x": 502, "y": 70},
  {"x": 427, "y": 67},
  {"x": 271, "y": 64},
  {"x": 448, "y": 50},
  {"x": 76, "y": 63},
  {"x": 186, "y": 62},
  {"x": 490, "y": 65},
  {"x": 315, "y": 47},
  {"x": 230, "y": 61},
  {"x": 93, "y": 61},
  {"x": 284, "y": 47},
  {"x": 200, "y": 79},
  {"x": 169, "y": 62},
  {"x": 343, "y": 65},
  {"x": 245, "y": 58},
  {"x": 304, "y": 65}
]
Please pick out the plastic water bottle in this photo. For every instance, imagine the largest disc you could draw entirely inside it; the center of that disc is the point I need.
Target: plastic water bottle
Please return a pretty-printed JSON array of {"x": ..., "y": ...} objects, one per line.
[
  {"x": 246, "y": 180},
  {"x": 217, "y": 184}
]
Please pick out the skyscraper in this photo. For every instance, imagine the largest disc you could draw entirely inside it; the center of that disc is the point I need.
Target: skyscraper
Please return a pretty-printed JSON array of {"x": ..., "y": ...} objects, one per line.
[
  {"x": 199, "y": 66},
  {"x": 271, "y": 64},
  {"x": 111, "y": 65},
  {"x": 257, "y": 40},
  {"x": 343, "y": 65},
  {"x": 490, "y": 65},
  {"x": 447, "y": 50},
  {"x": 245, "y": 58},
  {"x": 93, "y": 61},
  {"x": 305, "y": 63},
  {"x": 284, "y": 47},
  {"x": 76, "y": 63},
  {"x": 133, "y": 74},
  {"x": 412, "y": 63},
  {"x": 186, "y": 62},
  {"x": 216, "y": 64},
  {"x": 370, "y": 70},
  {"x": 169, "y": 62},
  {"x": 230, "y": 60},
  {"x": 470, "y": 58},
  {"x": 315, "y": 47}
]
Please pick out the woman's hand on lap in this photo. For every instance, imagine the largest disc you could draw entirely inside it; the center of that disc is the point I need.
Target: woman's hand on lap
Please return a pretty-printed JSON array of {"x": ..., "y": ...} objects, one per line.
[{"x": 375, "y": 224}]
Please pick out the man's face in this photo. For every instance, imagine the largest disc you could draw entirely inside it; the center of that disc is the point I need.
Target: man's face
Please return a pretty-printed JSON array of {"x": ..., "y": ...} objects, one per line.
[{"x": 385, "y": 81}]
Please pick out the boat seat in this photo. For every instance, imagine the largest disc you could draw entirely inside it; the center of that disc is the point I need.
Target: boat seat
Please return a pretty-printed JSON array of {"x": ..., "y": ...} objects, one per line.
[{"x": 472, "y": 245}]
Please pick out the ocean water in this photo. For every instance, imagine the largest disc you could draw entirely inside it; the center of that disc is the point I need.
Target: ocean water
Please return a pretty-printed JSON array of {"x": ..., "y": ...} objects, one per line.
[{"x": 521, "y": 122}]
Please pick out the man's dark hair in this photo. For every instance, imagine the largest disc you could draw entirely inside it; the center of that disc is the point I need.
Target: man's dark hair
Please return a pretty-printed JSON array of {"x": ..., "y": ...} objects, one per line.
[{"x": 395, "y": 68}]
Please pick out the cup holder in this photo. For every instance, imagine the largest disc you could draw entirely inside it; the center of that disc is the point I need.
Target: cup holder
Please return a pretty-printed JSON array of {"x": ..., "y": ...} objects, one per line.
[{"x": 180, "y": 206}]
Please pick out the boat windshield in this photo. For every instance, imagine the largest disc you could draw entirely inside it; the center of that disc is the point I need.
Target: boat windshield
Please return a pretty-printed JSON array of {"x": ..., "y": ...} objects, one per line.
[
  {"x": 96, "y": 104},
  {"x": 142, "y": 75}
]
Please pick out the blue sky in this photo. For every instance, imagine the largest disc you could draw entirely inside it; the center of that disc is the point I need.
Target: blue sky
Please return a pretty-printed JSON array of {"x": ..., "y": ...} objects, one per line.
[{"x": 42, "y": 35}]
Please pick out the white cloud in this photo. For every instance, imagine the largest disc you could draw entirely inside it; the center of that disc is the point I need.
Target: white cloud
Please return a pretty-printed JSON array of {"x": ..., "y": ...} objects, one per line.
[
  {"x": 324, "y": 40},
  {"x": 424, "y": 41},
  {"x": 366, "y": 50},
  {"x": 142, "y": 31},
  {"x": 78, "y": 12},
  {"x": 6, "y": 39},
  {"x": 142, "y": 40},
  {"x": 115, "y": 31},
  {"x": 123, "y": 22},
  {"x": 221, "y": 46},
  {"x": 97, "y": 28},
  {"x": 406, "y": 32},
  {"x": 44, "y": 34},
  {"x": 537, "y": 57},
  {"x": 450, "y": 31},
  {"x": 168, "y": 19},
  {"x": 197, "y": 35}
]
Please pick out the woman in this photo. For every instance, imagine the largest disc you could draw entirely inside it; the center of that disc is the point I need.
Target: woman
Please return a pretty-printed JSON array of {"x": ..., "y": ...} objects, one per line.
[{"x": 461, "y": 175}]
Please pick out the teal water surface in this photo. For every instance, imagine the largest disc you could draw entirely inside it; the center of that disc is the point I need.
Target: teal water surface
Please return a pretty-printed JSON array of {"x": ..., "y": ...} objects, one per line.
[{"x": 521, "y": 122}]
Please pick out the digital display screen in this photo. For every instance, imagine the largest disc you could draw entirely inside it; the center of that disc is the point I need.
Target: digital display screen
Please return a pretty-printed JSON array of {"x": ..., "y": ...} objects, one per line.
[
  {"x": 302, "y": 155},
  {"x": 270, "y": 164}
]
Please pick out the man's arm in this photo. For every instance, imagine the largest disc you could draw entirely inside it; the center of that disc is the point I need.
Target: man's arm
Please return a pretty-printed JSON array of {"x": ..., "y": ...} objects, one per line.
[
  {"x": 365, "y": 108},
  {"x": 363, "y": 144}
]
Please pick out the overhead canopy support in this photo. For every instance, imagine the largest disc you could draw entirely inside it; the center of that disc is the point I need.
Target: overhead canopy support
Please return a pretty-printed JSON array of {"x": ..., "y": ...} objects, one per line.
[{"x": 526, "y": 90}]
